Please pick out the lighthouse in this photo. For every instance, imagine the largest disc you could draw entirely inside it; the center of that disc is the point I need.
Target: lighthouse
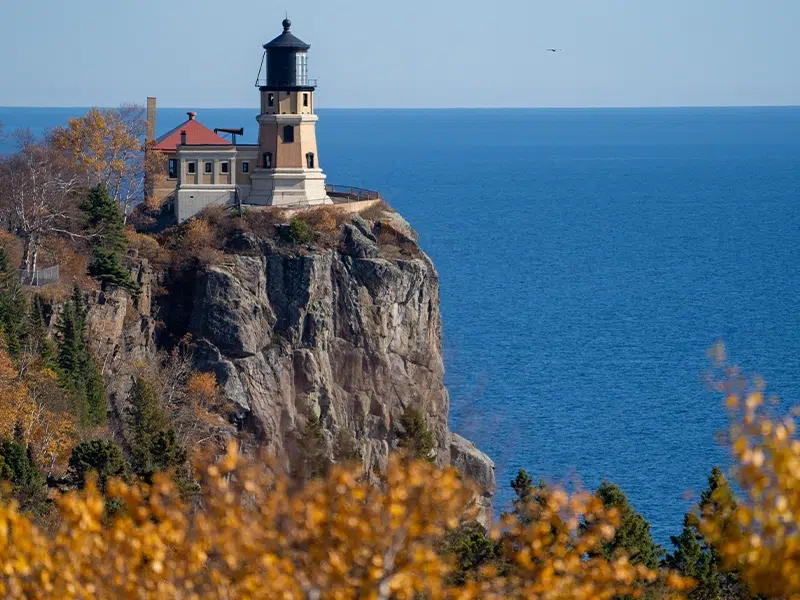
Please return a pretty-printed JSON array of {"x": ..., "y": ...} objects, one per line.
[
  {"x": 287, "y": 171},
  {"x": 201, "y": 168}
]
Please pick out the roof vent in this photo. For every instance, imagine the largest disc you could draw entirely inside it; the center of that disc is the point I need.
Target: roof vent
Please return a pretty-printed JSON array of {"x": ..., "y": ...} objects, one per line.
[
  {"x": 192, "y": 115},
  {"x": 183, "y": 137}
]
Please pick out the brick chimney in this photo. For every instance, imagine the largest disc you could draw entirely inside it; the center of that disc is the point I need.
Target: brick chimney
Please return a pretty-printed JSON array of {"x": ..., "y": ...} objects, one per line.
[
  {"x": 151, "y": 118},
  {"x": 183, "y": 137}
]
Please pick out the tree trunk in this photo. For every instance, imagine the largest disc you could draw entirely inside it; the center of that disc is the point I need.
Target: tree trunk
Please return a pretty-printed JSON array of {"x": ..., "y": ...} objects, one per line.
[
  {"x": 34, "y": 260},
  {"x": 26, "y": 254}
]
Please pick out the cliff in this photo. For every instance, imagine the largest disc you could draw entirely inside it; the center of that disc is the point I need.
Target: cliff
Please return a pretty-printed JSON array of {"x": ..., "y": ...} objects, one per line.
[{"x": 349, "y": 331}]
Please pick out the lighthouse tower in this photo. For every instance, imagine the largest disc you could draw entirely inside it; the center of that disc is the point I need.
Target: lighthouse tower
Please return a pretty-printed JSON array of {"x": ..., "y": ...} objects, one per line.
[{"x": 287, "y": 170}]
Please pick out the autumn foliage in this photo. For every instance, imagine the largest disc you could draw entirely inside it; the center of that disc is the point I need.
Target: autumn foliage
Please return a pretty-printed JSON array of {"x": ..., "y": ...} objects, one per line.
[
  {"x": 758, "y": 534},
  {"x": 257, "y": 533},
  {"x": 261, "y": 536}
]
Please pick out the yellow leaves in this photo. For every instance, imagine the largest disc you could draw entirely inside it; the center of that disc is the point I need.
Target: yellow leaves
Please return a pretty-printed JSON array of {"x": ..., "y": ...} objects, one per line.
[
  {"x": 757, "y": 533},
  {"x": 24, "y": 406},
  {"x": 258, "y": 536}
]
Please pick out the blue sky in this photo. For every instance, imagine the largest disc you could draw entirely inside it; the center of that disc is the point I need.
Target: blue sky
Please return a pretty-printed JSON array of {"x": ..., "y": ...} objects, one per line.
[{"x": 407, "y": 53}]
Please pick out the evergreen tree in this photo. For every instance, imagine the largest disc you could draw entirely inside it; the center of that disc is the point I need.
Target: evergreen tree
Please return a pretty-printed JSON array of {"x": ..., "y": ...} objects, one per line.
[
  {"x": 154, "y": 442},
  {"x": 27, "y": 482},
  {"x": 313, "y": 458},
  {"x": 95, "y": 391},
  {"x": 37, "y": 335},
  {"x": 529, "y": 499},
  {"x": 633, "y": 534},
  {"x": 103, "y": 457},
  {"x": 415, "y": 437},
  {"x": 345, "y": 448},
  {"x": 12, "y": 303},
  {"x": 77, "y": 367},
  {"x": 106, "y": 227},
  {"x": 104, "y": 219},
  {"x": 107, "y": 268},
  {"x": 473, "y": 549},
  {"x": 693, "y": 558}
]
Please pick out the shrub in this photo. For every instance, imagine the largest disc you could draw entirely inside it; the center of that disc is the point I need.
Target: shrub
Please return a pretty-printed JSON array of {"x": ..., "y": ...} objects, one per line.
[
  {"x": 374, "y": 213},
  {"x": 259, "y": 536},
  {"x": 298, "y": 232},
  {"x": 415, "y": 437},
  {"x": 102, "y": 457},
  {"x": 147, "y": 247}
]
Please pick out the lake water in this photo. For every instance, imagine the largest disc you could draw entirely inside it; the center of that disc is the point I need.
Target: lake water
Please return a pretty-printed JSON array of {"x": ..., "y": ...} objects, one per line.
[{"x": 588, "y": 260}]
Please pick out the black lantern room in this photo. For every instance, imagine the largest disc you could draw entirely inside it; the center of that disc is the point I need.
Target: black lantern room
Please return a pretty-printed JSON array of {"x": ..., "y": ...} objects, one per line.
[{"x": 286, "y": 59}]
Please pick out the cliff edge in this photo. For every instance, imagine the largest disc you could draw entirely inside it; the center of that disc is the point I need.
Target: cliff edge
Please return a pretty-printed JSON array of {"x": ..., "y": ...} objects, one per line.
[{"x": 347, "y": 330}]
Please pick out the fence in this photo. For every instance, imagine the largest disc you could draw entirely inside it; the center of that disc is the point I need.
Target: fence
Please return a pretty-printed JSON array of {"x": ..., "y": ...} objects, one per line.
[{"x": 40, "y": 277}]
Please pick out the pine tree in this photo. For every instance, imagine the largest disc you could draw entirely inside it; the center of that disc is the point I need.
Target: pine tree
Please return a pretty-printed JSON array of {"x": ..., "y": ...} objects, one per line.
[
  {"x": 415, "y": 437},
  {"x": 633, "y": 534},
  {"x": 77, "y": 367},
  {"x": 106, "y": 229},
  {"x": 104, "y": 219},
  {"x": 13, "y": 305},
  {"x": 95, "y": 391},
  {"x": 473, "y": 549},
  {"x": 529, "y": 499},
  {"x": 154, "y": 443},
  {"x": 27, "y": 482},
  {"x": 38, "y": 339},
  {"x": 103, "y": 457},
  {"x": 345, "y": 448},
  {"x": 313, "y": 458},
  {"x": 107, "y": 268},
  {"x": 693, "y": 558},
  {"x": 145, "y": 420}
]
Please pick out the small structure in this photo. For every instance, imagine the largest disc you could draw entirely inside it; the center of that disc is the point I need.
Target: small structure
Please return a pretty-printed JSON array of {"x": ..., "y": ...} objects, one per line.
[{"x": 283, "y": 169}]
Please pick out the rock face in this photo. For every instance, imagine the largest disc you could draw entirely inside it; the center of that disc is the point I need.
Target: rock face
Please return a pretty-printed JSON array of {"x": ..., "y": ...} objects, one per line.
[{"x": 350, "y": 333}]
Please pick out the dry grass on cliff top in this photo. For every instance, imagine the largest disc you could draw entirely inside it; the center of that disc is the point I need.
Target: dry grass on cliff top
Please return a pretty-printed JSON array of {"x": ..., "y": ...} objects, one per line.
[{"x": 218, "y": 231}]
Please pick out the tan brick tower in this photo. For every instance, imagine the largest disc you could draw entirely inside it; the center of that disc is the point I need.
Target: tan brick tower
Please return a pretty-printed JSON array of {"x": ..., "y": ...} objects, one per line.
[{"x": 287, "y": 171}]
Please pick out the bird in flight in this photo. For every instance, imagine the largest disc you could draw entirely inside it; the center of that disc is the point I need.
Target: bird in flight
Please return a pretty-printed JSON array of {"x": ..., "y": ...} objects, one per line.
[{"x": 554, "y": 50}]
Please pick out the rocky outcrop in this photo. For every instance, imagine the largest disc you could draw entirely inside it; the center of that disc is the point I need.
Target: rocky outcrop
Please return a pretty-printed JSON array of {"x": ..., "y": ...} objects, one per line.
[{"x": 350, "y": 333}]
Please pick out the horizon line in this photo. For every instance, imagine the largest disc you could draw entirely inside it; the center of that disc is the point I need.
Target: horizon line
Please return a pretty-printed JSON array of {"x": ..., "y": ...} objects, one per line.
[{"x": 586, "y": 107}]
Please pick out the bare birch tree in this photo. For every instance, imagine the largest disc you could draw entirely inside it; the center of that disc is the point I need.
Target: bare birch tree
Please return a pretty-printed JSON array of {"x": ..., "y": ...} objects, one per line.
[{"x": 37, "y": 197}]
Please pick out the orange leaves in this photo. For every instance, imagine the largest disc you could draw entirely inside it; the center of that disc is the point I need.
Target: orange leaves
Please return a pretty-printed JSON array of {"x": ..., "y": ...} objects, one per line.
[
  {"x": 259, "y": 536},
  {"x": 203, "y": 387},
  {"x": 27, "y": 406},
  {"x": 759, "y": 534}
]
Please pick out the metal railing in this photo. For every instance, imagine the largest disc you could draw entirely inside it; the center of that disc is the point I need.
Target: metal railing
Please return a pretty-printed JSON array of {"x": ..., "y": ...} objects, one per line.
[
  {"x": 352, "y": 194},
  {"x": 40, "y": 277},
  {"x": 308, "y": 82}
]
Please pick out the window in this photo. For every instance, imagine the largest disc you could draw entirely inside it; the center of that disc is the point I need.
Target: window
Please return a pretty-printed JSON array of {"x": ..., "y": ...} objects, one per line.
[
  {"x": 310, "y": 160},
  {"x": 223, "y": 166},
  {"x": 288, "y": 134},
  {"x": 173, "y": 168},
  {"x": 267, "y": 160},
  {"x": 301, "y": 68},
  {"x": 191, "y": 167},
  {"x": 209, "y": 167},
  {"x": 245, "y": 167},
  {"x": 305, "y": 99},
  {"x": 271, "y": 99}
]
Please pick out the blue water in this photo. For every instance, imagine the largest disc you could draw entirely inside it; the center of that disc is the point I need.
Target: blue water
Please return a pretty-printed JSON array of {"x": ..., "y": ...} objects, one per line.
[{"x": 588, "y": 259}]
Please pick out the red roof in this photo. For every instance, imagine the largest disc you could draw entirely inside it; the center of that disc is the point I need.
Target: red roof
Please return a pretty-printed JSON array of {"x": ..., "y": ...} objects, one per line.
[{"x": 195, "y": 134}]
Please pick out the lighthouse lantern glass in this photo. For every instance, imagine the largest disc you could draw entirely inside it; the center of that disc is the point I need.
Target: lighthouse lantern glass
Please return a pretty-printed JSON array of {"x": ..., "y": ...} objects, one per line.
[{"x": 302, "y": 68}]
